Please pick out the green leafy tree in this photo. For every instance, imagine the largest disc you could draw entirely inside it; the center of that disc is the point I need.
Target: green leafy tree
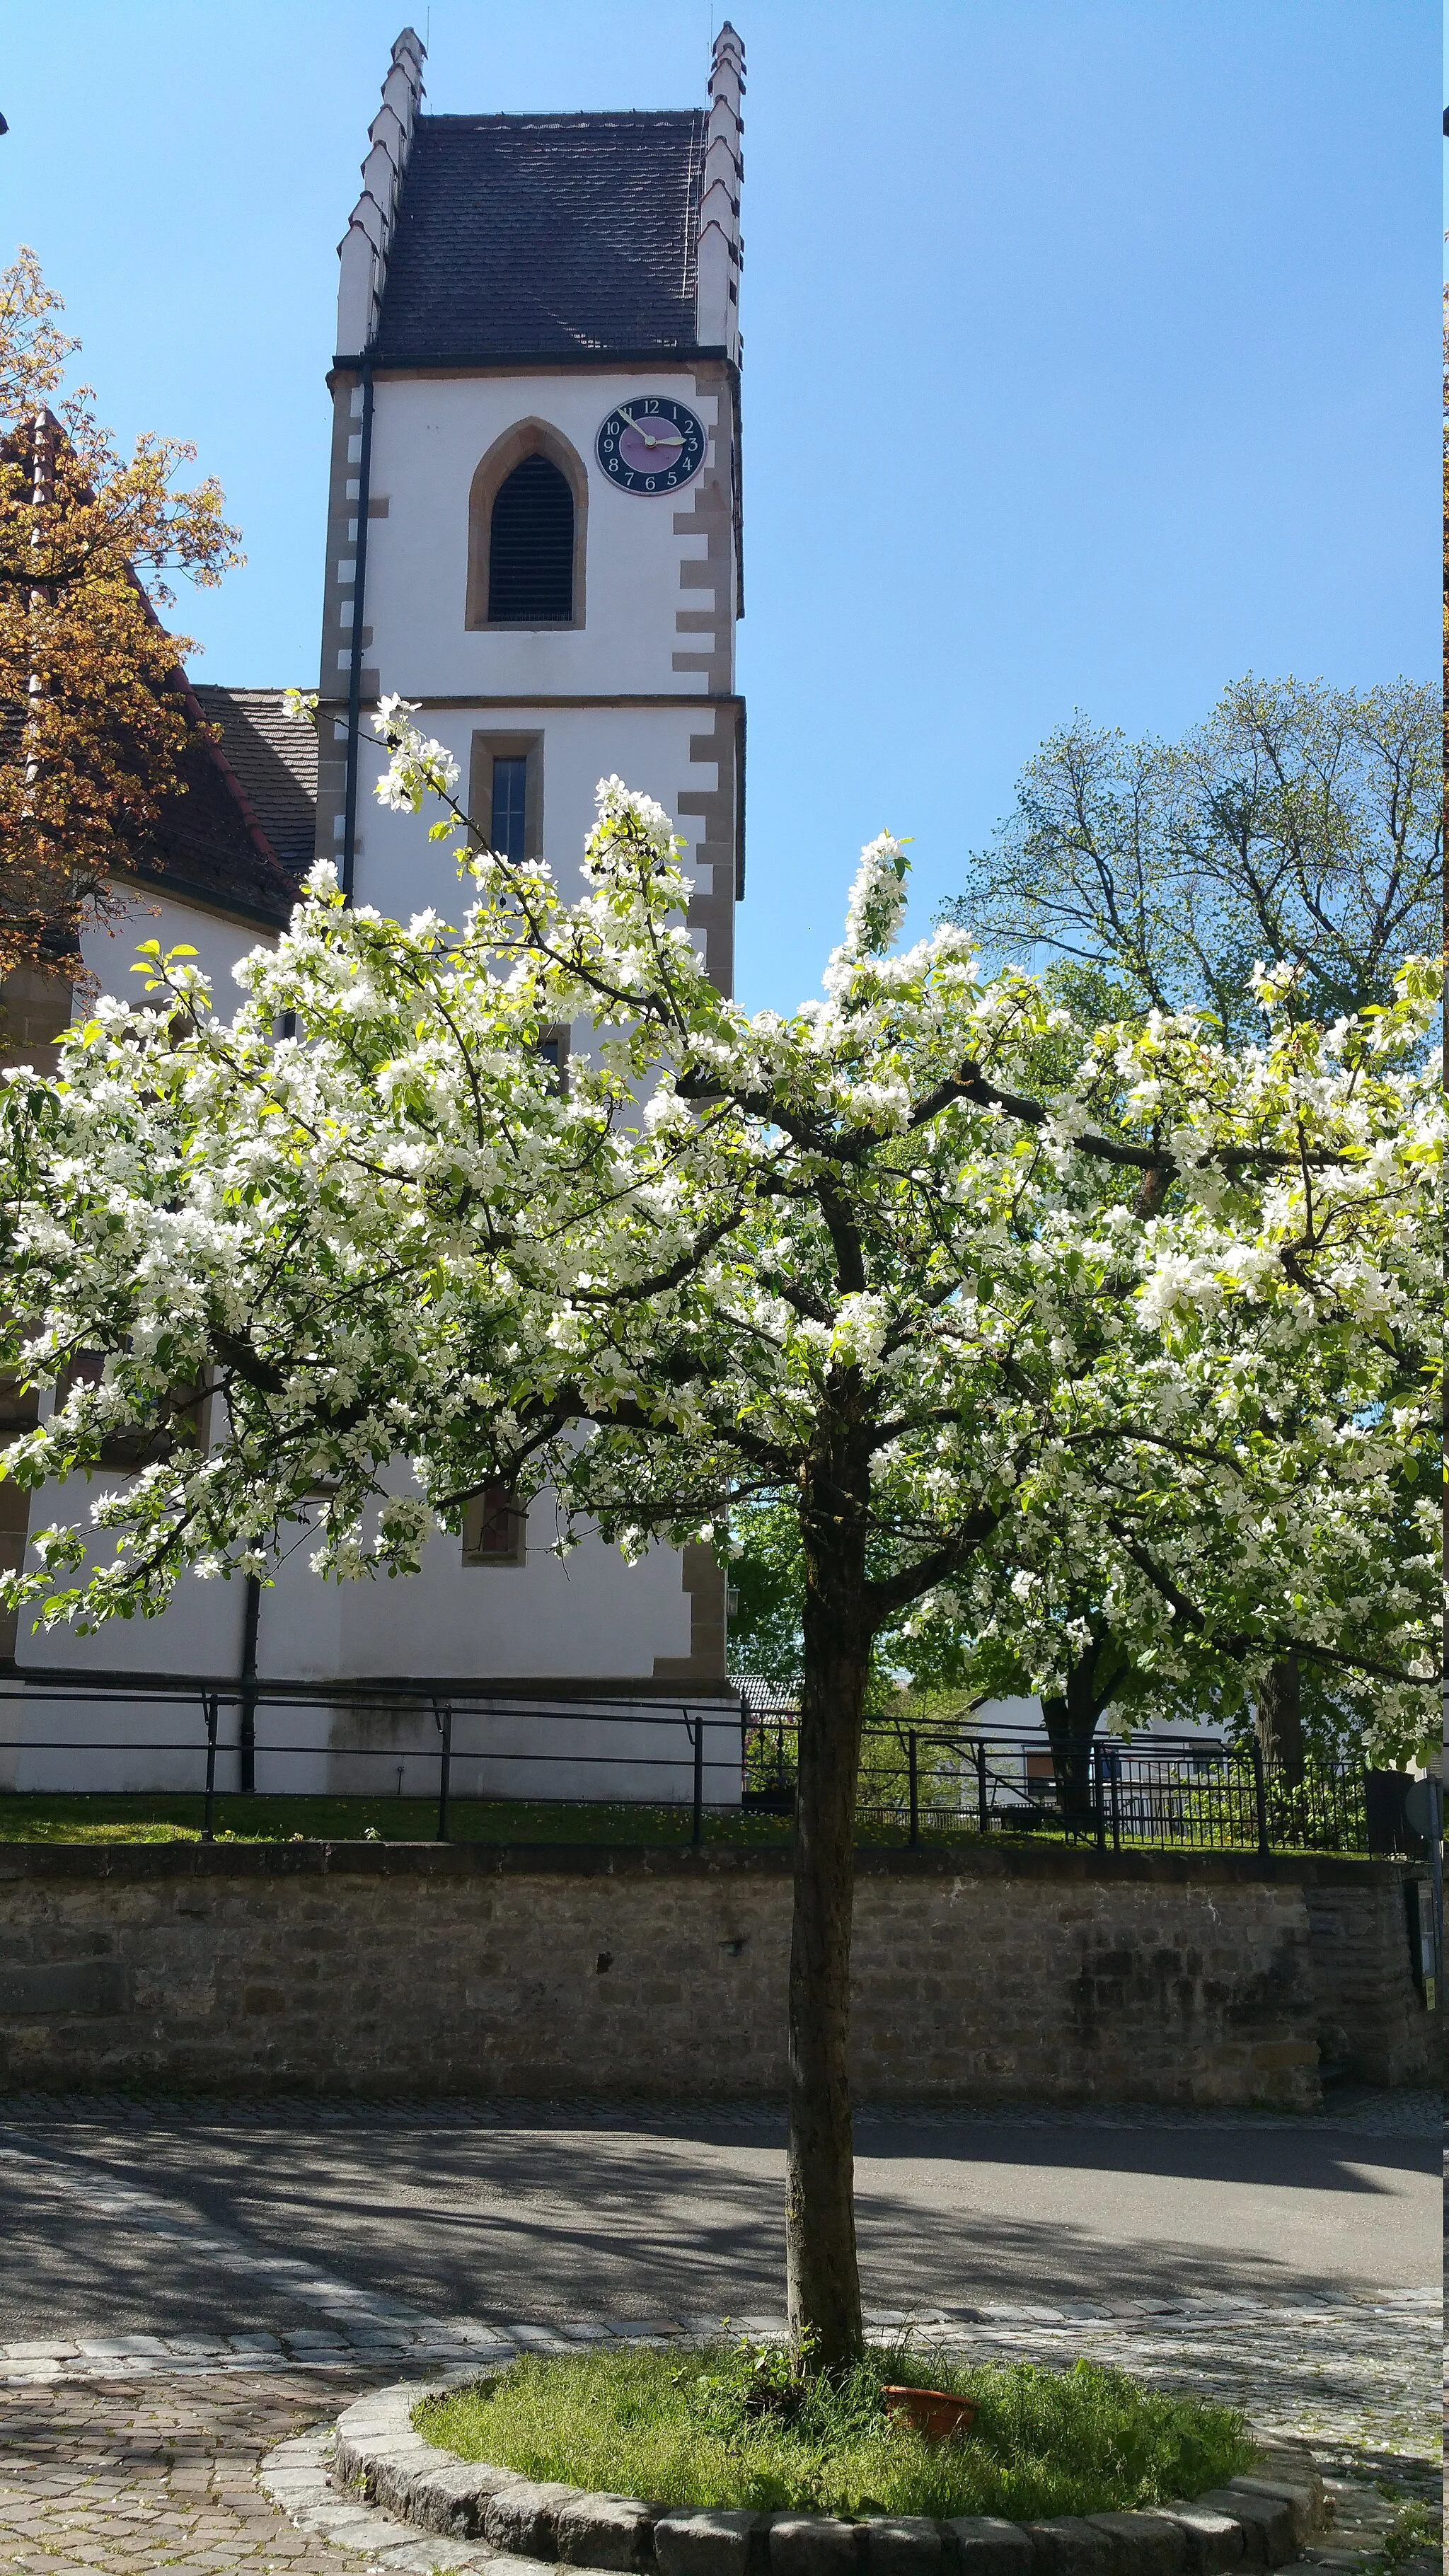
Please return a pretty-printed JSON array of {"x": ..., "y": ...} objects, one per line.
[{"x": 1301, "y": 824}]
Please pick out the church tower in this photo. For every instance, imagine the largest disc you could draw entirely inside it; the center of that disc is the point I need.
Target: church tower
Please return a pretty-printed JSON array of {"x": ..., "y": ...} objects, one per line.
[
  {"x": 534, "y": 531},
  {"x": 534, "y": 522}
]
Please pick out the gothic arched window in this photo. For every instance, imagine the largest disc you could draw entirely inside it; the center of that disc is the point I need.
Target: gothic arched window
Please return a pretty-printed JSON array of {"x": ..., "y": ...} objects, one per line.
[
  {"x": 531, "y": 548},
  {"x": 526, "y": 519}
]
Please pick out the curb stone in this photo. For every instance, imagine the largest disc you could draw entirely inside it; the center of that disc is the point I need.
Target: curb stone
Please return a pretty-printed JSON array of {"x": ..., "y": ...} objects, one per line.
[{"x": 1260, "y": 2520}]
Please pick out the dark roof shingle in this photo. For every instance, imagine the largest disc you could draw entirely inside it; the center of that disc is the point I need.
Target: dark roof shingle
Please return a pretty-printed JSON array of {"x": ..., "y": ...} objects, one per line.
[
  {"x": 274, "y": 756},
  {"x": 544, "y": 236},
  {"x": 238, "y": 832}
]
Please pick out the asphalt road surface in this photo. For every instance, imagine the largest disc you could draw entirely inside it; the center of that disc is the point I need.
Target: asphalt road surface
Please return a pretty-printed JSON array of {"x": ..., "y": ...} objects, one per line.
[{"x": 177, "y": 2219}]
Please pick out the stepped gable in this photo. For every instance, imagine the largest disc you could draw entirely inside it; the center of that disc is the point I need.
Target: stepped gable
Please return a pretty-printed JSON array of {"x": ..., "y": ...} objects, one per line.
[{"x": 544, "y": 236}]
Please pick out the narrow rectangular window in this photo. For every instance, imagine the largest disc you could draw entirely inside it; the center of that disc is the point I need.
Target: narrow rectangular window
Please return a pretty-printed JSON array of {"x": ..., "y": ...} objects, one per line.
[
  {"x": 509, "y": 828},
  {"x": 495, "y": 1529},
  {"x": 553, "y": 1046},
  {"x": 505, "y": 794}
]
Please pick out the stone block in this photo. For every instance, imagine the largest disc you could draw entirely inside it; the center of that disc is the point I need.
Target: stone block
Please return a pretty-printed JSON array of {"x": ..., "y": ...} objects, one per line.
[
  {"x": 1305, "y": 2508},
  {"x": 94, "y": 1986},
  {"x": 904, "y": 2544},
  {"x": 705, "y": 2540},
  {"x": 1290, "y": 2464},
  {"x": 1146, "y": 2544},
  {"x": 1066, "y": 2544},
  {"x": 521, "y": 2517},
  {"x": 442, "y": 2496},
  {"x": 1266, "y": 2520},
  {"x": 1214, "y": 2541},
  {"x": 605, "y": 2531},
  {"x": 815, "y": 2544},
  {"x": 981, "y": 2544}
]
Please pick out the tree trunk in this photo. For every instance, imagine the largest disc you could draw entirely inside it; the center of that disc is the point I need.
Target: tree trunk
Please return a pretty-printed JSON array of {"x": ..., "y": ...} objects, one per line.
[
  {"x": 1280, "y": 1720},
  {"x": 820, "y": 2256},
  {"x": 1071, "y": 1723}
]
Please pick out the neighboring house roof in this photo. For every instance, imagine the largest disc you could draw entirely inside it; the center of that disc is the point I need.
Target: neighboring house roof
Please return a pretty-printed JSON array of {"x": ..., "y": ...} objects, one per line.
[
  {"x": 544, "y": 236},
  {"x": 239, "y": 834},
  {"x": 273, "y": 757}
]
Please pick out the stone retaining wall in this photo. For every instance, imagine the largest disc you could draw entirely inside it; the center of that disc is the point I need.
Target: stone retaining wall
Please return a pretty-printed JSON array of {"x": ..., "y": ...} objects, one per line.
[
  {"x": 1369, "y": 2026},
  {"x": 979, "y": 1976}
]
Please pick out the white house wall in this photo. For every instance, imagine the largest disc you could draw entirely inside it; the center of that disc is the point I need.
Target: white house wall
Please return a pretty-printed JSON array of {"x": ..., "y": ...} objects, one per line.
[
  {"x": 585, "y": 1618},
  {"x": 109, "y": 952}
]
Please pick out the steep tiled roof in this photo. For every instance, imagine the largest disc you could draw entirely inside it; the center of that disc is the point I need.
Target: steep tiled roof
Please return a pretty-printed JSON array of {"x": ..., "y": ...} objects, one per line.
[
  {"x": 544, "y": 236},
  {"x": 274, "y": 759},
  {"x": 239, "y": 832}
]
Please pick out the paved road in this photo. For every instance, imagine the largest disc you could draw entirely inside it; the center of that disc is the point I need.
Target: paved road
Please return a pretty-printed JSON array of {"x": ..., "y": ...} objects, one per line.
[
  {"x": 183, "y": 2286},
  {"x": 557, "y": 2212}
]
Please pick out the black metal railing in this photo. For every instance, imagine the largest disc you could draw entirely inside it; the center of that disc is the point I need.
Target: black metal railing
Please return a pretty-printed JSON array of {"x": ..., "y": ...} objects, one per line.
[
  {"x": 254, "y": 1739},
  {"x": 458, "y": 1744},
  {"x": 1158, "y": 1792}
]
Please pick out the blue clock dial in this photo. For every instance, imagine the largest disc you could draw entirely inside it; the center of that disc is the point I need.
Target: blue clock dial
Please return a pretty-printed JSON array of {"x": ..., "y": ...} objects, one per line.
[{"x": 650, "y": 444}]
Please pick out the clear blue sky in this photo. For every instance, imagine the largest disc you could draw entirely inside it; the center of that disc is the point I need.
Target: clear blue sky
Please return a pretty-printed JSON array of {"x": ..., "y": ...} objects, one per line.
[{"x": 1091, "y": 357}]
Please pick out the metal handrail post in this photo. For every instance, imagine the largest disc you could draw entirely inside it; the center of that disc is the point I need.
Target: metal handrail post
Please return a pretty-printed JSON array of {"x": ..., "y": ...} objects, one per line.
[
  {"x": 1260, "y": 1796},
  {"x": 209, "y": 1706},
  {"x": 1436, "y": 1863},
  {"x": 697, "y": 1829},
  {"x": 444, "y": 1717},
  {"x": 913, "y": 1776},
  {"x": 1099, "y": 1796},
  {"x": 982, "y": 1809},
  {"x": 247, "y": 1726}
]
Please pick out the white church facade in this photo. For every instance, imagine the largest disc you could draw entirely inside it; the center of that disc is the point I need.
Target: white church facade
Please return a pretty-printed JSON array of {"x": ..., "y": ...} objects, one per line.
[{"x": 534, "y": 533}]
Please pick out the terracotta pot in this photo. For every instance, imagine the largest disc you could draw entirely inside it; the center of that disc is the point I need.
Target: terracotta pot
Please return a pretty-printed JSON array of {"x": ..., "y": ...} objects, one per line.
[{"x": 932, "y": 2411}]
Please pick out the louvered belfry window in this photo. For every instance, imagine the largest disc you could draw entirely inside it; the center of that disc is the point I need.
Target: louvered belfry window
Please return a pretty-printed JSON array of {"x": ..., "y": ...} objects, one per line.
[{"x": 531, "y": 548}]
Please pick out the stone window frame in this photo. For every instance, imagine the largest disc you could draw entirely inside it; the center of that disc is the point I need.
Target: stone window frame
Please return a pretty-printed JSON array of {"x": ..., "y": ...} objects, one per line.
[
  {"x": 499, "y": 1495},
  {"x": 487, "y": 747},
  {"x": 531, "y": 437}
]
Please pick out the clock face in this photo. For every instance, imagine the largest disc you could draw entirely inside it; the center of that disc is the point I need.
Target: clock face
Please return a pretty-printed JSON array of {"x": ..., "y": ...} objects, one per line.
[{"x": 650, "y": 444}]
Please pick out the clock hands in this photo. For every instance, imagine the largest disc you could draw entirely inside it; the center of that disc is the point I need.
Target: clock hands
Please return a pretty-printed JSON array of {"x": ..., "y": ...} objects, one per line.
[
  {"x": 676, "y": 438},
  {"x": 672, "y": 444}
]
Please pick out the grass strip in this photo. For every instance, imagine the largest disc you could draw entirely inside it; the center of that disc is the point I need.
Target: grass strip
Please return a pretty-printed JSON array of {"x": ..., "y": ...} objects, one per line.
[
  {"x": 159, "y": 1817},
  {"x": 726, "y": 2425}
]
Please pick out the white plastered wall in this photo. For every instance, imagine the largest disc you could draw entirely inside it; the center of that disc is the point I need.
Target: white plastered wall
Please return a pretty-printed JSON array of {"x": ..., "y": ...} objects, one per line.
[
  {"x": 429, "y": 435},
  {"x": 109, "y": 951},
  {"x": 400, "y": 871}
]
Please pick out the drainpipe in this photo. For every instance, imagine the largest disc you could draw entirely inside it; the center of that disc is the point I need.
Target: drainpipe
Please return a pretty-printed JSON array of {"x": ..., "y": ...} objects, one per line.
[
  {"x": 359, "y": 603},
  {"x": 247, "y": 1729}
]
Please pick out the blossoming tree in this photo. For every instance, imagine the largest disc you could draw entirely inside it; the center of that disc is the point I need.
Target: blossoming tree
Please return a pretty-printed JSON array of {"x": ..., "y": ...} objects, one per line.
[{"x": 857, "y": 1254}]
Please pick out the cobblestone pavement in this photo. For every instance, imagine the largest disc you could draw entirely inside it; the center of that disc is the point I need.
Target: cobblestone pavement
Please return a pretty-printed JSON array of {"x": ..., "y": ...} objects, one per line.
[
  {"x": 1372, "y": 2110},
  {"x": 116, "y": 2479},
  {"x": 127, "y": 2450},
  {"x": 136, "y": 2459}
]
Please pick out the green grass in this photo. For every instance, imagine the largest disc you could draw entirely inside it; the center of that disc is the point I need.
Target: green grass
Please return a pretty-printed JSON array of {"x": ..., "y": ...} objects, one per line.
[
  {"x": 727, "y": 2426},
  {"x": 1415, "y": 2532},
  {"x": 154, "y": 1817},
  {"x": 157, "y": 1818}
]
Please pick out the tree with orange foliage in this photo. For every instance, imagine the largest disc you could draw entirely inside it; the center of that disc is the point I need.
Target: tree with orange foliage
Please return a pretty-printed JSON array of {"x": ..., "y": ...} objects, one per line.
[{"x": 92, "y": 716}]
